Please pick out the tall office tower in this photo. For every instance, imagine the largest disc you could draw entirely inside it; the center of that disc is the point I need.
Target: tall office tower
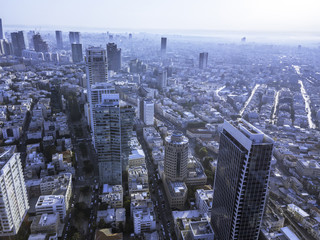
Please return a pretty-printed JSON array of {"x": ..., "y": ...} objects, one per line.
[
  {"x": 18, "y": 43},
  {"x": 1, "y": 30},
  {"x": 5, "y": 47},
  {"x": 39, "y": 44},
  {"x": 176, "y": 156},
  {"x": 96, "y": 65},
  {"x": 148, "y": 111},
  {"x": 74, "y": 37},
  {"x": 163, "y": 45},
  {"x": 30, "y": 35},
  {"x": 203, "y": 60},
  {"x": 114, "y": 57},
  {"x": 162, "y": 80},
  {"x": 241, "y": 181},
  {"x": 59, "y": 39},
  {"x": 13, "y": 194},
  {"x": 112, "y": 126},
  {"x": 76, "y": 49}
]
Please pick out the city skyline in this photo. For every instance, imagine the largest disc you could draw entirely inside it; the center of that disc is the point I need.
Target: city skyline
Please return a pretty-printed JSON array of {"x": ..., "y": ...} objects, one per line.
[{"x": 246, "y": 15}]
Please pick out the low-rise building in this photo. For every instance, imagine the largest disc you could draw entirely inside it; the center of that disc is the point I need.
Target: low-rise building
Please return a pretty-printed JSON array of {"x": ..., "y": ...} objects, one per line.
[
  {"x": 51, "y": 204},
  {"x": 112, "y": 195},
  {"x": 176, "y": 193},
  {"x": 204, "y": 201}
]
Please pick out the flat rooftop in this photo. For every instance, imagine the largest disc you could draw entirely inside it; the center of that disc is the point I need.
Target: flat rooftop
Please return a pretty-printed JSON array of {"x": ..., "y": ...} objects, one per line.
[{"x": 201, "y": 228}]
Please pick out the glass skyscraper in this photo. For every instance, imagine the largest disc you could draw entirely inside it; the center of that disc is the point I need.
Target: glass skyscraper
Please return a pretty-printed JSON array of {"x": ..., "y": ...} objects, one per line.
[{"x": 241, "y": 181}]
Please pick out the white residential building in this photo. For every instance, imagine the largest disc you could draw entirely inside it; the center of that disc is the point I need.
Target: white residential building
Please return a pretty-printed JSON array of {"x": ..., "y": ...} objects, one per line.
[
  {"x": 148, "y": 112},
  {"x": 204, "y": 201},
  {"x": 13, "y": 194},
  {"x": 144, "y": 221},
  {"x": 51, "y": 204}
]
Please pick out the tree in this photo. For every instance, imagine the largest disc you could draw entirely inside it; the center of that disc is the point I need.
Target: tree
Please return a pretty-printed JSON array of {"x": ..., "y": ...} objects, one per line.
[
  {"x": 203, "y": 152},
  {"x": 102, "y": 224},
  {"x": 76, "y": 236}
]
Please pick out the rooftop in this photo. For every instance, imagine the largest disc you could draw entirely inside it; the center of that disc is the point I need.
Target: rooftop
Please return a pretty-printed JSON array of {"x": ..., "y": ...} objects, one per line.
[{"x": 201, "y": 228}]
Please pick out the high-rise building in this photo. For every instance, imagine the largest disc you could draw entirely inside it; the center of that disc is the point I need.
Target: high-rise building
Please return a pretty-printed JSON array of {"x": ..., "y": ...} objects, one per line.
[
  {"x": 162, "y": 79},
  {"x": 13, "y": 194},
  {"x": 96, "y": 65},
  {"x": 111, "y": 123},
  {"x": 163, "y": 45},
  {"x": 176, "y": 156},
  {"x": 175, "y": 169},
  {"x": 18, "y": 43},
  {"x": 111, "y": 126},
  {"x": 59, "y": 39},
  {"x": 39, "y": 44},
  {"x": 1, "y": 30},
  {"x": 74, "y": 37},
  {"x": 203, "y": 60},
  {"x": 76, "y": 49},
  {"x": 114, "y": 57},
  {"x": 148, "y": 111},
  {"x": 241, "y": 181},
  {"x": 5, "y": 47},
  {"x": 30, "y": 35}
]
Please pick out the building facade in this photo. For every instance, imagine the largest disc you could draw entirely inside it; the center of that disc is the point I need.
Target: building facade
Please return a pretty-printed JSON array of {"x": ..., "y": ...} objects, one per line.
[
  {"x": 114, "y": 57},
  {"x": 39, "y": 44},
  {"x": 176, "y": 157},
  {"x": 76, "y": 49},
  {"x": 241, "y": 181},
  {"x": 74, "y": 37},
  {"x": 163, "y": 45},
  {"x": 18, "y": 43},
  {"x": 148, "y": 112},
  {"x": 59, "y": 39},
  {"x": 203, "y": 60},
  {"x": 13, "y": 194}
]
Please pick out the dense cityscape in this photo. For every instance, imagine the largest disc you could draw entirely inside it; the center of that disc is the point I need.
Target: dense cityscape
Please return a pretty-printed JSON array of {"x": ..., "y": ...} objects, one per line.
[{"x": 119, "y": 135}]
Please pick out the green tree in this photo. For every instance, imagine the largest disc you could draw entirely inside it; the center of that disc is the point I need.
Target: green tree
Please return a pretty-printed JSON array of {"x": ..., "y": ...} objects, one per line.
[
  {"x": 203, "y": 152},
  {"x": 102, "y": 224},
  {"x": 76, "y": 236}
]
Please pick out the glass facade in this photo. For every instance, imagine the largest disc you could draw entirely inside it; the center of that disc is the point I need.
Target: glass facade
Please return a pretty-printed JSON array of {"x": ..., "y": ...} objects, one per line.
[{"x": 240, "y": 187}]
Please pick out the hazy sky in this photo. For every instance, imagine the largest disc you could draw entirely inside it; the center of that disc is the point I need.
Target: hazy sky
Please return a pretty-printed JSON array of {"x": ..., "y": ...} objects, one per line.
[{"x": 265, "y": 15}]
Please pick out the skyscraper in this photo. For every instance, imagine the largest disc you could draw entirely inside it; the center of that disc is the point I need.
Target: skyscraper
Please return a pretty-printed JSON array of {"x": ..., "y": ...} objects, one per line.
[
  {"x": 74, "y": 37},
  {"x": 148, "y": 111},
  {"x": 111, "y": 126},
  {"x": 162, "y": 79},
  {"x": 13, "y": 198},
  {"x": 111, "y": 122},
  {"x": 241, "y": 181},
  {"x": 1, "y": 30},
  {"x": 59, "y": 39},
  {"x": 5, "y": 47},
  {"x": 163, "y": 45},
  {"x": 30, "y": 35},
  {"x": 18, "y": 43},
  {"x": 175, "y": 169},
  {"x": 176, "y": 156},
  {"x": 96, "y": 65},
  {"x": 114, "y": 57},
  {"x": 76, "y": 49},
  {"x": 39, "y": 44},
  {"x": 203, "y": 60}
]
